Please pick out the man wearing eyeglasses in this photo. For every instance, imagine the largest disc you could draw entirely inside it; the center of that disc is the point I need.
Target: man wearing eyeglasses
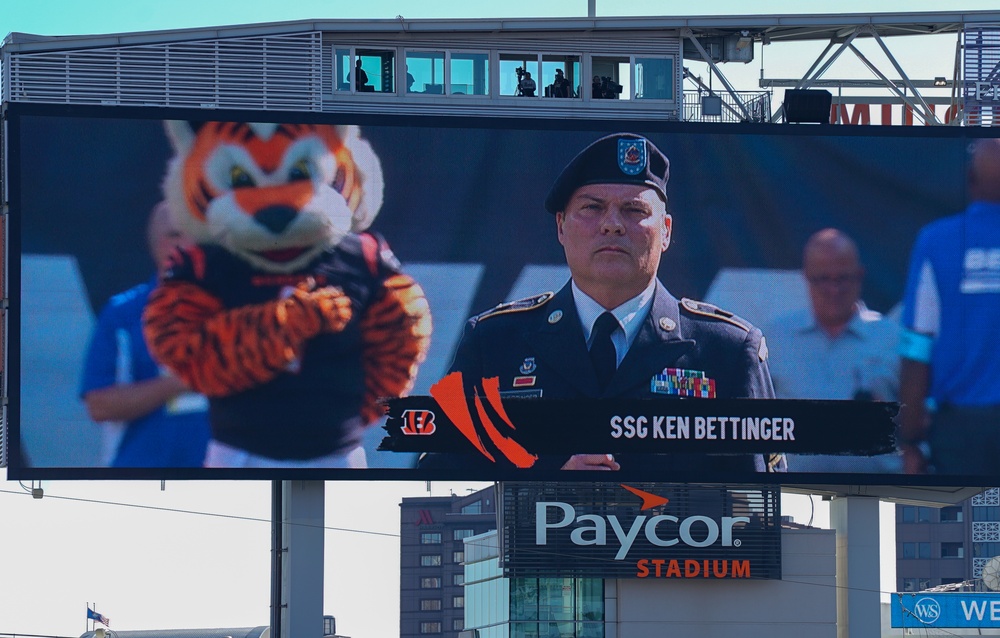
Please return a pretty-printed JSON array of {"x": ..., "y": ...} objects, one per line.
[{"x": 836, "y": 348}]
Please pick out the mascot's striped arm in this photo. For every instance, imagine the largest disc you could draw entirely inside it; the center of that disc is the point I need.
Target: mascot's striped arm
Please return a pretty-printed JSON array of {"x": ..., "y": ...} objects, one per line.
[
  {"x": 219, "y": 352},
  {"x": 395, "y": 335}
]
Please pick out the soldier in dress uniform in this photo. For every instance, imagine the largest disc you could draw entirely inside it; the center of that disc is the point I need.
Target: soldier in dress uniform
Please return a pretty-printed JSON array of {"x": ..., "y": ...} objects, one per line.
[{"x": 614, "y": 327}]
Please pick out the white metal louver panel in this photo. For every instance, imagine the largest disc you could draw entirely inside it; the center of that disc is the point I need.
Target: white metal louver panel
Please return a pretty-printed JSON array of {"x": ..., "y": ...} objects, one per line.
[
  {"x": 986, "y": 532},
  {"x": 990, "y": 497},
  {"x": 281, "y": 72},
  {"x": 977, "y": 566}
]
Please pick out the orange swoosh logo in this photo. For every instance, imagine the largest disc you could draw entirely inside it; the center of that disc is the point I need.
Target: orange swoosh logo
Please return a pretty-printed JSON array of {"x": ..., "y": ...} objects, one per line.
[{"x": 649, "y": 501}]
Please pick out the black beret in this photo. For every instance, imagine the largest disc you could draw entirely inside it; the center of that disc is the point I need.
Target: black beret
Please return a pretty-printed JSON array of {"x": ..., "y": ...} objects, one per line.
[{"x": 622, "y": 158}]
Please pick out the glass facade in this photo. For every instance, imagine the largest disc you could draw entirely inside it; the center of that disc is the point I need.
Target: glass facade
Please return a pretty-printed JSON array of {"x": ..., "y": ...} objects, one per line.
[
  {"x": 445, "y": 72},
  {"x": 564, "y": 607},
  {"x": 530, "y": 607}
]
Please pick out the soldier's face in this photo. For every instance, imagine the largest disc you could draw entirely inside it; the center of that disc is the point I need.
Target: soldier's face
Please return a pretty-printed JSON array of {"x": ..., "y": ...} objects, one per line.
[{"x": 613, "y": 235}]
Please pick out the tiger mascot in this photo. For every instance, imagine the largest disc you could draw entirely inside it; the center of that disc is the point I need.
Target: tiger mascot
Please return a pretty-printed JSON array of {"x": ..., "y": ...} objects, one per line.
[{"x": 286, "y": 314}]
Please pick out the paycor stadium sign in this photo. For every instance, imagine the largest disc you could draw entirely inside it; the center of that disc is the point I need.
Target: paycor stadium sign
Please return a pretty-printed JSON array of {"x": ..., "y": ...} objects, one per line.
[{"x": 640, "y": 530}]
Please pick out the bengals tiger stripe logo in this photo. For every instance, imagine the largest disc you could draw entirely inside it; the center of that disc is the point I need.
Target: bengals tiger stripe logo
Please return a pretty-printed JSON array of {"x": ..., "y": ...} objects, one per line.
[{"x": 449, "y": 393}]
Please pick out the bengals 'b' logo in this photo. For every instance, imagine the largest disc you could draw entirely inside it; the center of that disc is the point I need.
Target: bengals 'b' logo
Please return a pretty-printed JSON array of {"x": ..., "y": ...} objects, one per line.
[{"x": 418, "y": 422}]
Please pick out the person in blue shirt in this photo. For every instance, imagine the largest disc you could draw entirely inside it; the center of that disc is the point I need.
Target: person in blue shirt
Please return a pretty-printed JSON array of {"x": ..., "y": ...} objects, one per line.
[
  {"x": 150, "y": 417},
  {"x": 836, "y": 348},
  {"x": 950, "y": 352}
]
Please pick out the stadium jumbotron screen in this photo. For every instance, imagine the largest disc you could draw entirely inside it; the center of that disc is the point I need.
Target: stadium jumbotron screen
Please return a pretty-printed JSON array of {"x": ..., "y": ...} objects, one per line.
[{"x": 275, "y": 296}]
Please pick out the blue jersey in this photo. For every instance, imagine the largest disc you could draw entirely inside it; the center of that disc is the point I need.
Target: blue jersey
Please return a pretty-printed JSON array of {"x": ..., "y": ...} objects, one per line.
[
  {"x": 953, "y": 296},
  {"x": 176, "y": 435}
]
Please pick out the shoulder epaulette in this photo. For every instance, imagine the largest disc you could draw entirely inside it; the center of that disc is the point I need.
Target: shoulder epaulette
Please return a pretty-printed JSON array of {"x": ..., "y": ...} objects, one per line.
[
  {"x": 714, "y": 312},
  {"x": 520, "y": 305}
]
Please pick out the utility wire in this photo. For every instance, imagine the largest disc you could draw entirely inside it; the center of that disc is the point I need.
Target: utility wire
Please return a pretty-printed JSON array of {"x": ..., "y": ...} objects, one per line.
[{"x": 199, "y": 513}]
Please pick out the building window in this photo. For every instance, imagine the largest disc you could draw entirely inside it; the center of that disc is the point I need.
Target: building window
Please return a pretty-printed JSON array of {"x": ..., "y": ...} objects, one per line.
[
  {"x": 561, "y": 76},
  {"x": 430, "y": 627},
  {"x": 458, "y": 557},
  {"x": 575, "y": 603},
  {"x": 379, "y": 66},
  {"x": 365, "y": 70},
  {"x": 515, "y": 70},
  {"x": 473, "y": 508},
  {"x": 952, "y": 550},
  {"x": 654, "y": 78},
  {"x": 458, "y": 624},
  {"x": 951, "y": 514},
  {"x": 611, "y": 78},
  {"x": 430, "y": 604},
  {"x": 430, "y": 538},
  {"x": 916, "y": 584},
  {"x": 459, "y": 534},
  {"x": 916, "y": 550},
  {"x": 458, "y": 579},
  {"x": 430, "y": 560},
  {"x": 470, "y": 74},
  {"x": 458, "y": 602},
  {"x": 430, "y": 583},
  {"x": 912, "y": 514},
  {"x": 425, "y": 72}
]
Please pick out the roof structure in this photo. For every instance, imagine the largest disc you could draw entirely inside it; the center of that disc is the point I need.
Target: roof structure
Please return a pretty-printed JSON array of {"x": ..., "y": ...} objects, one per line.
[{"x": 775, "y": 28}]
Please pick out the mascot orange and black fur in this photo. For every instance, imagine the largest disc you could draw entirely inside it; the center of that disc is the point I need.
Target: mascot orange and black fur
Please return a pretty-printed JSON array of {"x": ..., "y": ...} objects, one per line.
[{"x": 287, "y": 314}]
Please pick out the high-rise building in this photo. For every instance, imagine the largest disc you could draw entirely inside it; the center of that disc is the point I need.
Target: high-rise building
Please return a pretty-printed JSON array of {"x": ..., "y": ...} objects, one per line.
[
  {"x": 432, "y": 528},
  {"x": 936, "y": 547}
]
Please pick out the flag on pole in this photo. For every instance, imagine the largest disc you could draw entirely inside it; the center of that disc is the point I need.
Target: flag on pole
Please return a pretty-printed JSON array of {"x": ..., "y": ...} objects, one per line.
[{"x": 101, "y": 618}]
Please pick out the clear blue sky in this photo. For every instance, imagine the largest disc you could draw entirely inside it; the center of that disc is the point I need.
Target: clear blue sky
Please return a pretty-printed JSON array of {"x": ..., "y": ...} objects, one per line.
[{"x": 165, "y": 569}]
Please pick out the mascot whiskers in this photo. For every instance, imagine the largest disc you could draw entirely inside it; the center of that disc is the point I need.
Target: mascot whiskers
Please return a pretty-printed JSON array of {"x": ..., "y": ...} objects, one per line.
[{"x": 287, "y": 314}]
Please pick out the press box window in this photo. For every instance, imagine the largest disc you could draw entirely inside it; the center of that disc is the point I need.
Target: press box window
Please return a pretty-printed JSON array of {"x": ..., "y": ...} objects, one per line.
[
  {"x": 569, "y": 79},
  {"x": 430, "y": 560},
  {"x": 611, "y": 78},
  {"x": 430, "y": 604},
  {"x": 430, "y": 583},
  {"x": 654, "y": 78},
  {"x": 470, "y": 73},
  {"x": 513, "y": 69},
  {"x": 430, "y": 538},
  {"x": 425, "y": 72},
  {"x": 376, "y": 75}
]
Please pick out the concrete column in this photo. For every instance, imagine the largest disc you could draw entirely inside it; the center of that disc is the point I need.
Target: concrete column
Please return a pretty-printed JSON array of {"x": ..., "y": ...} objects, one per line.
[
  {"x": 856, "y": 521},
  {"x": 302, "y": 521}
]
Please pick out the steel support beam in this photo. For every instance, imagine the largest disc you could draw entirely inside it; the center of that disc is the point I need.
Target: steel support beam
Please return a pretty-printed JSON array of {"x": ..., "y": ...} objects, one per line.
[
  {"x": 701, "y": 85},
  {"x": 687, "y": 33},
  {"x": 929, "y": 114}
]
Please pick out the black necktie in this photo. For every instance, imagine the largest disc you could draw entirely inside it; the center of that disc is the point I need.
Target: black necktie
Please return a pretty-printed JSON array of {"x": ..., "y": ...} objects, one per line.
[{"x": 602, "y": 350}]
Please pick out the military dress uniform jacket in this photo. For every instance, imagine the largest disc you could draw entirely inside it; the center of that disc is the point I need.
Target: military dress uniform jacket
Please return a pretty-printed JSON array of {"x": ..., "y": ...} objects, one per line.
[{"x": 544, "y": 334}]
